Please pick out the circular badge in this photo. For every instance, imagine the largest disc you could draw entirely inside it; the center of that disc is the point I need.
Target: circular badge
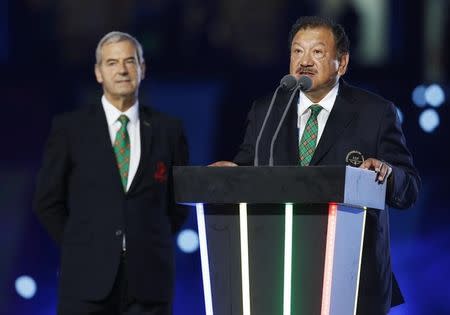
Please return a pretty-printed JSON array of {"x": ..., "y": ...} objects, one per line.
[{"x": 354, "y": 158}]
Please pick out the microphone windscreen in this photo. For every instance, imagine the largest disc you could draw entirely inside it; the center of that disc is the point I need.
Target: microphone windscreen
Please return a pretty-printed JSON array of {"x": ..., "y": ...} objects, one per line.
[
  {"x": 288, "y": 82},
  {"x": 305, "y": 83}
]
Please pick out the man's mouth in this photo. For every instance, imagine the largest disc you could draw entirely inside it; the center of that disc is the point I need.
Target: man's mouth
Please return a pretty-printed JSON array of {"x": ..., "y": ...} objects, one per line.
[{"x": 305, "y": 72}]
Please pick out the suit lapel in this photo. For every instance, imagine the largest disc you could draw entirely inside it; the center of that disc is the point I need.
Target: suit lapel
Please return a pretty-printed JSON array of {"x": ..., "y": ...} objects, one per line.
[
  {"x": 284, "y": 147},
  {"x": 146, "y": 130},
  {"x": 343, "y": 112},
  {"x": 100, "y": 144},
  {"x": 292, "y": 124}
]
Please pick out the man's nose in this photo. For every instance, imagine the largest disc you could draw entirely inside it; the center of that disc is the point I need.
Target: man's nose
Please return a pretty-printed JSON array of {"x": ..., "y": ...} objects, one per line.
[
  {"x": 306, "y": 59},
  {"x": 123, "y": 68}
]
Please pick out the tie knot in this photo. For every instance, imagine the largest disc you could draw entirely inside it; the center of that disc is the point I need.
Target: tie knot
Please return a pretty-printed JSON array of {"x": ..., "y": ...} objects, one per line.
[
  {"x": 315, "y": 109},
  {"x": 123, "y": 120}
]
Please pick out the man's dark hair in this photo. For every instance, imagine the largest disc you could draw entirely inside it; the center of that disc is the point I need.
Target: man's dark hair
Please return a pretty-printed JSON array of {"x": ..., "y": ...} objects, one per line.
[{"x": 340, "y": 37}]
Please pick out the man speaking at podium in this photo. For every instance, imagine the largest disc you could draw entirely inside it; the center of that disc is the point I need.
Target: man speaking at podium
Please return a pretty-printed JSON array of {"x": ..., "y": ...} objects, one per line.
[{"x": 333, "y": 123}]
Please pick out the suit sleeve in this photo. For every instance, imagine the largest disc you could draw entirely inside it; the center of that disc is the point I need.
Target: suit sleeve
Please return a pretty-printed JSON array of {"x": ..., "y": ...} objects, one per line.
[
  {"x": 51, "y": 188},
  {"x": 404, "y": 182},
  {"x": 178, "y": 213},
  {"x": 246, "y": 154}
]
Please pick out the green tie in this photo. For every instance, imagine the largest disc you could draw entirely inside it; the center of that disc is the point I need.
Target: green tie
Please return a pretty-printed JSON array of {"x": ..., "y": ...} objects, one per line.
[
  {"x": 309, "y": 138},
  {"x": 122, "y": 150}
]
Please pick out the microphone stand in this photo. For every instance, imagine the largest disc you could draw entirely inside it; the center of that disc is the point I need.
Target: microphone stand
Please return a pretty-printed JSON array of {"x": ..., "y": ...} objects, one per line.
[
  {"x": 287, "y": 82},
  {"x": 286, "y": 109}
]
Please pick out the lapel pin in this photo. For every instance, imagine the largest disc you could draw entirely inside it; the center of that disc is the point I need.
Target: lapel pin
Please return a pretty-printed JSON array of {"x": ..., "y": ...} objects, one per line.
[{"x": 354, "y": 158}]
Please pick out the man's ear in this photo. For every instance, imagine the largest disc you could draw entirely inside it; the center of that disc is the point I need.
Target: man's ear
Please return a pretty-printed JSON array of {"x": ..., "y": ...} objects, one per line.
[
  {"x": 343, "y": 64},
  {"x": 98, "y": 74}
]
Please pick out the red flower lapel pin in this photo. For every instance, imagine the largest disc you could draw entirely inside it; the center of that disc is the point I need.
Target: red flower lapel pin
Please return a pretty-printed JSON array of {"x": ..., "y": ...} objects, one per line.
[{"x": 161, "y": 172}]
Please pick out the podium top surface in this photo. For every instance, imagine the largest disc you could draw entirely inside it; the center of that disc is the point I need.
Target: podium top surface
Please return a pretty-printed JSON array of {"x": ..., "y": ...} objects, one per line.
[{"x": 278, "y": 184}]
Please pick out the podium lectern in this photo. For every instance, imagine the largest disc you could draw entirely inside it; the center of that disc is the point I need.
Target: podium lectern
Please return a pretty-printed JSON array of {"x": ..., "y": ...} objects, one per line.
[{"x": 280, "y": 240}]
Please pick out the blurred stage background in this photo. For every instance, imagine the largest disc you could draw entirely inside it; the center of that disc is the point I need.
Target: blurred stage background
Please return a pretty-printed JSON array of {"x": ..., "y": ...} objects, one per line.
[{"x": 207, "y": 60}]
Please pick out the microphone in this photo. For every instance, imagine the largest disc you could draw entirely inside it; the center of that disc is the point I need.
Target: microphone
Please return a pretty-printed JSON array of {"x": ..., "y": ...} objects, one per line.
[
  {"x": 304, "y": 84},
  {"x": 287, "y": 83}
]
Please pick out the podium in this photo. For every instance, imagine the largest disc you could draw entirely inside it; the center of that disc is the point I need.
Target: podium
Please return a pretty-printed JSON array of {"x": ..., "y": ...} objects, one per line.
[{"x": 280, "y": 240}]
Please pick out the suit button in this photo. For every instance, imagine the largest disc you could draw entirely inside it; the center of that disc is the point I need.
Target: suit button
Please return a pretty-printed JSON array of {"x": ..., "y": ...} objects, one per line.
[{"x": 118, "y": 232}]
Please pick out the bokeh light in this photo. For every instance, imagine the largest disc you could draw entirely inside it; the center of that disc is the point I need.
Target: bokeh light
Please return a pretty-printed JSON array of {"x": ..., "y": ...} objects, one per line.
[
  {"x": 429, "y": 120},
  {"x": 188, "y": 241},
  {"x": 26, "y": 287}
]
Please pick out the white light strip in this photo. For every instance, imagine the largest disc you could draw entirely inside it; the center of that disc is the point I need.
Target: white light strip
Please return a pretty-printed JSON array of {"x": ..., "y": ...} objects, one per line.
[
  {"x": 204, "y": 258},
  {"x": 329, "y": 255},
  {"x": 287, "y": 259},
  {"x": 244, "y": 259},
  {"x": 360, "y": 259}
]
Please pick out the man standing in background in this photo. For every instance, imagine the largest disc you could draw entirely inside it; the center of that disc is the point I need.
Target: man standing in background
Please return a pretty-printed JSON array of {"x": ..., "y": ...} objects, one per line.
[{"x": 104, "y": 193}]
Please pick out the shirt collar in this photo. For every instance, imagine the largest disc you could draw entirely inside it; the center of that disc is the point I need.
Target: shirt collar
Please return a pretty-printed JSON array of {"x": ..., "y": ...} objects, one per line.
[
  {"x": 327, "y": 102},
  {"x": 112, "y": 113}
]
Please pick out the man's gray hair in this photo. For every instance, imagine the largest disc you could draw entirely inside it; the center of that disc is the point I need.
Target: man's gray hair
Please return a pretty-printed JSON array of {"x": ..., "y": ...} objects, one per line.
[{"x": 115, "y": 37}]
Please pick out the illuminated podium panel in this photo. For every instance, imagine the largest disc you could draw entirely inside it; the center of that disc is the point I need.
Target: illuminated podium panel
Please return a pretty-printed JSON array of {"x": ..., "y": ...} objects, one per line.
[{"x": 280, "y": 240}]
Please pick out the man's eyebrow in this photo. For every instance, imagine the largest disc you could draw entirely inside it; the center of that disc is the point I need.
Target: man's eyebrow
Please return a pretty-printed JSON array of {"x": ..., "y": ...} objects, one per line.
[
  {"x": 115, "y": 59},
  {"x": 315, "y": 44}
]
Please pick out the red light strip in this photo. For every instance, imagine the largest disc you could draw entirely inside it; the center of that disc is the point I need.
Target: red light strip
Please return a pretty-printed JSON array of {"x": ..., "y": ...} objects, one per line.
[{"x": 329, "y": 255}]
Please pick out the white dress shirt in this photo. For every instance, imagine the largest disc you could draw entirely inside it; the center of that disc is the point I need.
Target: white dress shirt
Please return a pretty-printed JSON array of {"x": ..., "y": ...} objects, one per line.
[
  {"x": 134, "y": 132},
  {"x": 303, "y": 111}
]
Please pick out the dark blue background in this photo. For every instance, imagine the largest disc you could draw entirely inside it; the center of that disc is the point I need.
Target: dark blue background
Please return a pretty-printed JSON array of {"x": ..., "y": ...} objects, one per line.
[{"x": 206, "y": 78}]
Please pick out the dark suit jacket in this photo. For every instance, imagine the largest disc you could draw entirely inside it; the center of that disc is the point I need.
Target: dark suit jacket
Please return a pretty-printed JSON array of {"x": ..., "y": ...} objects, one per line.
[
  {"x": 359, "y": 121},
  {"x": 81, "y": 202}
]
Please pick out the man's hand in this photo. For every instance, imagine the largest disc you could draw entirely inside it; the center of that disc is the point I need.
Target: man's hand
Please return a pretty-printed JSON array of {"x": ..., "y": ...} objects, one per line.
[
  {"x": 222, "y": 163},
  {"x": 382, "y": 169}
]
